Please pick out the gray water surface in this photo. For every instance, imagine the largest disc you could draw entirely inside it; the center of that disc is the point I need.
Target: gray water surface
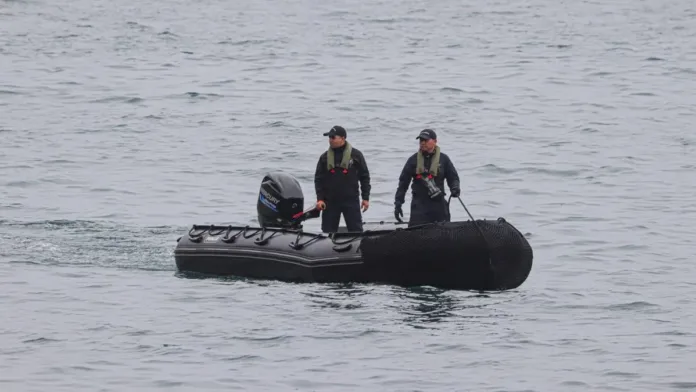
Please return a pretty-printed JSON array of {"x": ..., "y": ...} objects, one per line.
[{"x": 123, "y": 123}]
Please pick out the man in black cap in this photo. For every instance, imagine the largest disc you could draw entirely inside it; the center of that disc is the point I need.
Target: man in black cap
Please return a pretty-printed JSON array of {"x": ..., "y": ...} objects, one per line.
[
  {"x": 339, "y": 172},
  {"x": 428, "y": 168}
]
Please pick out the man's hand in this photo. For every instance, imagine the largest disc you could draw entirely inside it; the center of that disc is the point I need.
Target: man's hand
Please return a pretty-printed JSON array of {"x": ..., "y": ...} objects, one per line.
[
  {"x": 321, "y": 205},
  {"x": 398, "y": 212},
  {"x": 455, "y": 192},
  {"x": 365, "y": 205}
]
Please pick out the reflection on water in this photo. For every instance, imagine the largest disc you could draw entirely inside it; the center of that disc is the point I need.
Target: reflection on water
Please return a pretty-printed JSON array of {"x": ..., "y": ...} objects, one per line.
[
  {"x": 424, "y": 305},
  {"x": 338, "y": 295},
  {"x": 419, "y": 306},
  {"x": 427, "y": 307},
  {"x": 212, "y": 277}
]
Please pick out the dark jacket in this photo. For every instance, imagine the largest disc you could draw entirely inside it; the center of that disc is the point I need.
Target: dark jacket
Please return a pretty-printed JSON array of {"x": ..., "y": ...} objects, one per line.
[
  {"x": 339, "y": 185},
  {"x": 419, "y": 191}
]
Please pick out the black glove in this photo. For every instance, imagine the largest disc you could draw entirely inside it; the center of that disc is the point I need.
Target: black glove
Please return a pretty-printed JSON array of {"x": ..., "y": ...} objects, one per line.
[
  {"x": 455, "y": 192},
  {"x": 398, "y": 212}
]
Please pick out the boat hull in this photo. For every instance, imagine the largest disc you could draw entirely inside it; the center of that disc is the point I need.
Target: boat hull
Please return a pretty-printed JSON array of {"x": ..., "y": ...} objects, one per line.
[{"x": 488, "y": 255}]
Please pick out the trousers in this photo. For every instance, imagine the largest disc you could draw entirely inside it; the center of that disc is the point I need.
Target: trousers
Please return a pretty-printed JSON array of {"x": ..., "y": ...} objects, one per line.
[
  {"x": 331, "y": 216},
  {"x": 428, "y": 211}
]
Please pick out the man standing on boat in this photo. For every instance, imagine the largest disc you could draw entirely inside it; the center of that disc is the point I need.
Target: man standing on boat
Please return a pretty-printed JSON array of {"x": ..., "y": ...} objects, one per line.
[
  {"x": 340, "y": 179},
  {"x": 428, "y": 168}
]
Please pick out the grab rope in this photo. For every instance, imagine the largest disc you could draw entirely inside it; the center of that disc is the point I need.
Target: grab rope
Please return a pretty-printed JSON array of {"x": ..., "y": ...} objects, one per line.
[
  {"x": 263, "y": 241},
  {"x": 228, "y": 240},
  {"x": 199, "y": 236},
  {"x": 197, "y": 232},
  {"x": 210, "y": 231},
  {"x": 250, "y": 235},
  {"x": 298, "y": 245}
]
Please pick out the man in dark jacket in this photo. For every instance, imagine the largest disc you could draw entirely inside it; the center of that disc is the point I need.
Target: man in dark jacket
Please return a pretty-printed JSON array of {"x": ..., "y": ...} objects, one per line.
[
  {"x": 428, "y": 168},
  {"x": 340, "y": 179}
]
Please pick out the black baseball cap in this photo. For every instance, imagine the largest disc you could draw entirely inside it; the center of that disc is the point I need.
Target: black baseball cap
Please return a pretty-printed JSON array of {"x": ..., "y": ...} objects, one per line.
[
  {"x": 427, "y": 134},
  {"x": 336, "y": 130}
]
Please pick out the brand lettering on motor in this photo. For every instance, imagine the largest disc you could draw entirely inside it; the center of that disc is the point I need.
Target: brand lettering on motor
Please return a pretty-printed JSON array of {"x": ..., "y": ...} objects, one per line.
[{"x": 270, "y": 197}]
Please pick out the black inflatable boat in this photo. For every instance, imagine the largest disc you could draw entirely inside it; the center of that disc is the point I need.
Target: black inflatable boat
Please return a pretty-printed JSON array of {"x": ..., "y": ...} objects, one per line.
[{"x": 466, "y": 255}]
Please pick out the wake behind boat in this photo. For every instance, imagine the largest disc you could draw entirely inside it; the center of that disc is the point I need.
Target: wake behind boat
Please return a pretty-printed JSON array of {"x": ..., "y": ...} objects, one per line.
[{"x": 465, "y": 255}]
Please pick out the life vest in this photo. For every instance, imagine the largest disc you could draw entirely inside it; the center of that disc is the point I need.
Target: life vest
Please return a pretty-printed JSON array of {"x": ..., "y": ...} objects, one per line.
[
  {"x": 345, "y": 160},
  {"x": 434, "y": 164}
]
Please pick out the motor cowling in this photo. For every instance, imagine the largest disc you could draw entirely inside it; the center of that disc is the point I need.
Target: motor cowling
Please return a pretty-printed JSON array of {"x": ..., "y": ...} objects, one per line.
[{"x": 280, "y": 200}]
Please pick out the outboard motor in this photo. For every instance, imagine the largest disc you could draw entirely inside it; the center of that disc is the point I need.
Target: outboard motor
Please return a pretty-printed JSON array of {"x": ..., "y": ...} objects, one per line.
[{"x": 281, "y": 200}]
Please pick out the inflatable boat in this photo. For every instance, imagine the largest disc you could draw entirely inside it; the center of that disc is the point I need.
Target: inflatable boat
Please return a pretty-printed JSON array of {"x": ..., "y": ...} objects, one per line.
[{"x": 466, "y": 255}]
